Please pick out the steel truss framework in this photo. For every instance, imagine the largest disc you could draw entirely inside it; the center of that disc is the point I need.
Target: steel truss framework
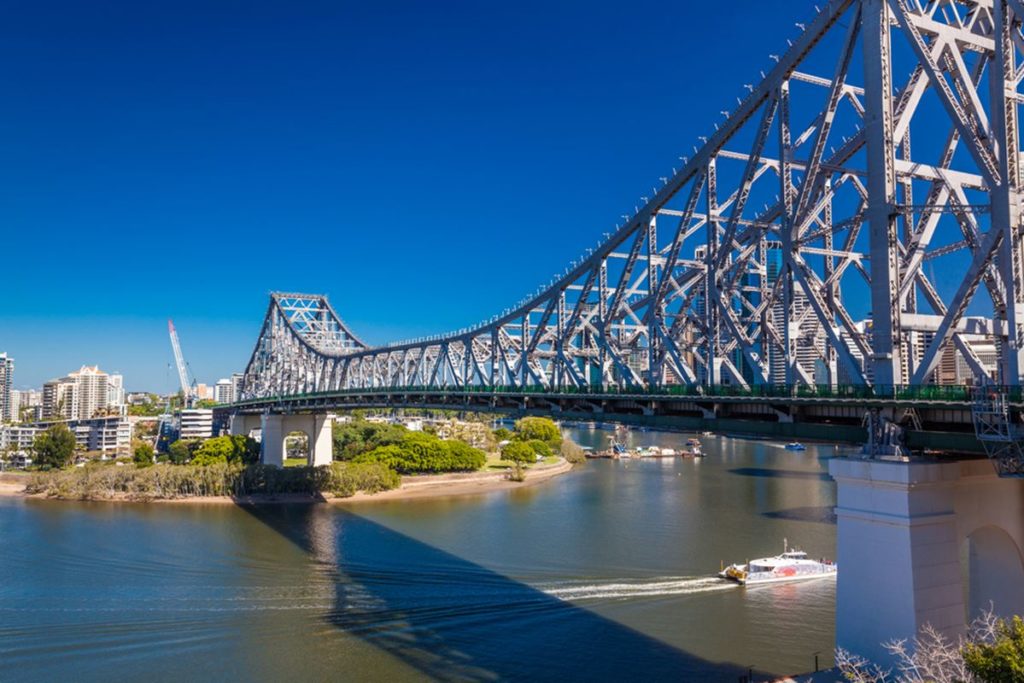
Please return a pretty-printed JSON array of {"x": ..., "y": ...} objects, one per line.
[{"x": 747, "y": 264}]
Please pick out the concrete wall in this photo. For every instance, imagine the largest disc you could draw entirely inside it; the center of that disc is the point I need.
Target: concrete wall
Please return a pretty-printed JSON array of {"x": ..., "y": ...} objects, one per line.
[
  {"x": 990, "y": 530},
  {"x": 923, "y": 542}
]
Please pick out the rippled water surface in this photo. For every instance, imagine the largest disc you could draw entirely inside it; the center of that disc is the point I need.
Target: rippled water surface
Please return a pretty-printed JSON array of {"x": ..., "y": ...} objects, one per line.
[{"x": 606, "y": 573}]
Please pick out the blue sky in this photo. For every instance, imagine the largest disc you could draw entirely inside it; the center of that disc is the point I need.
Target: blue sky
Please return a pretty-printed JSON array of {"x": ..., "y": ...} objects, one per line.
[{"x": 424, "y": 164}]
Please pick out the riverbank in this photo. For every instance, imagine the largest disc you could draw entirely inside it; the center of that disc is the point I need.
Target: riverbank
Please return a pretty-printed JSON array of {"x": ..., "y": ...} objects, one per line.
[
  {"x": 412, "y": 487},
  {"x": 438, "y": 485}
]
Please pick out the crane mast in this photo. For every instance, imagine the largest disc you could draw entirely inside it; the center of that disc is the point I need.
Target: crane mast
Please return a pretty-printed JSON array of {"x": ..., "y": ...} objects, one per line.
[{"x": 179, "y": 359}]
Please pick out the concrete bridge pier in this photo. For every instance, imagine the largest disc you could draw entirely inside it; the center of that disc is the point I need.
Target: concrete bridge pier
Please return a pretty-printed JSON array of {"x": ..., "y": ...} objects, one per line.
[
  {"x": 274, "y": 429},
  {"x": 245, "y": 424},
  {"x": 923, "y": 543}
]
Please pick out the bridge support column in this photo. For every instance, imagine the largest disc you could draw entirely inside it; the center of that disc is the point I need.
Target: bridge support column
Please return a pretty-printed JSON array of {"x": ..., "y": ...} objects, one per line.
[
  {"x": 272, "y": 435},
  {"x": 321, "y": 443},
  {"x": 244, "y": 424},
  {"x": 898, "y": 553}
]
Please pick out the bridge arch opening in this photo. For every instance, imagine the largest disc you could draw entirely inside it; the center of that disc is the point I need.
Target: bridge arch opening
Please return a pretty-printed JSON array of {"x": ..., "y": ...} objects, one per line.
[
  {"x": 993, "y": 572},
  {"x": 297, "y": 446}
]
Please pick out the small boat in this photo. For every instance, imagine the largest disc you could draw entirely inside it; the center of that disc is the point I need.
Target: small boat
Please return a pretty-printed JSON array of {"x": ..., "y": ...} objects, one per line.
[
  {"x": 692, "y": 449},
  {"x": 795, "y": 446},
  {"x": 707, "y": 433},
  {"x": 791, "y": 565}
]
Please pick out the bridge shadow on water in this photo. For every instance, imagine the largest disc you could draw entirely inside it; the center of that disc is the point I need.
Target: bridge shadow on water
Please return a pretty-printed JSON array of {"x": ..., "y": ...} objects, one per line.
[
  {"x": 821, "y": 514},
  {"x": 453, "y": 619},
  {"x": 780, "y": 474}
]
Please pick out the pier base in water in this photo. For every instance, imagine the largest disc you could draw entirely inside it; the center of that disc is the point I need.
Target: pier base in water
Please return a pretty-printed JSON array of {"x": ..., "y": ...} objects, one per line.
[{"x": 923, "y": 543}]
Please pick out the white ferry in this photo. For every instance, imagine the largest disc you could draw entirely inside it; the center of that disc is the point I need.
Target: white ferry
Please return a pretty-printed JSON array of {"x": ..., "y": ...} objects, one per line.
[{"x": 791, "y": 565}]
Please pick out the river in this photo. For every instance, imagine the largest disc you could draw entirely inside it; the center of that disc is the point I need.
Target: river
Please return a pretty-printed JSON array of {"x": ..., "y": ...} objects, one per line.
[{"x": 605, "y": 573}]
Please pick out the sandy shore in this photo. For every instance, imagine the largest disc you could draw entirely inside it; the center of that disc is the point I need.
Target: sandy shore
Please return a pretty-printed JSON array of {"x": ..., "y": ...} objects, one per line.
[
  {"x": 435, "y": 485},
  {"x": 11, "y": 488},
  {"x": 413, "y": 487}
]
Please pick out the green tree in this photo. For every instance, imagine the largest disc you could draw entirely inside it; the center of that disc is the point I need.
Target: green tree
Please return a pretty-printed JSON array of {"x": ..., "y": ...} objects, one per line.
[
  {"x": 502, "y": 434},
  {"x": 519, "y": 452},
  {"x": 215, "y": 450},
  {"x": 539, "y": 447},
  {"x": 464, "y": 457},
  {"x": 236, "y": 448},
  {"x": 179, "y": 452},
  {"x": 1001, "y": 661},
  {"x": 54, "y": 447},
  {"x": 143, "y": 455},
  {"x": 245, "y": 449},
  {"x": 541, "y": 428},
  {"x": 350, "y": 439},
  {"x": 145, "y": 410},
  {"x": 422, "y": 452}
]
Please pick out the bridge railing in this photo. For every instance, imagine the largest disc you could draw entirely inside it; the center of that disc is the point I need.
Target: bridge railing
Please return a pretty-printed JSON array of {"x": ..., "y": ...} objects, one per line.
[{"x": 948, "y": 393}]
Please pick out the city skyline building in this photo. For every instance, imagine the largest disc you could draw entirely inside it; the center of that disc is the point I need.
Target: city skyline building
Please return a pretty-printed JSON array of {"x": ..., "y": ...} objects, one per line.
[
  {"x": 224, "y": 391},
  {"x": 83, "y": 394},
  {"x": 8, "y": 412},
  {"x": 195, "y": 423}
]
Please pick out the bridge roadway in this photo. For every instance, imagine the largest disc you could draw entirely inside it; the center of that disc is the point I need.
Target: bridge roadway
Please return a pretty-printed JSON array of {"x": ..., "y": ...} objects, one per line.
[{"x": 932, "y": 417}]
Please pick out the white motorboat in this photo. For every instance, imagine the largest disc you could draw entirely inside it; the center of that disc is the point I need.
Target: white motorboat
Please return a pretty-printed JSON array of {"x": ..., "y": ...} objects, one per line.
[{"x": 791, "y": 565}]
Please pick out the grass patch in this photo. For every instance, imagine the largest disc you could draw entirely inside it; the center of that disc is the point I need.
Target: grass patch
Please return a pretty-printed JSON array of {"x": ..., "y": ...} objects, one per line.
[
  {"x": 494, "y": 462},
  {"x": 294, "y": 462}
]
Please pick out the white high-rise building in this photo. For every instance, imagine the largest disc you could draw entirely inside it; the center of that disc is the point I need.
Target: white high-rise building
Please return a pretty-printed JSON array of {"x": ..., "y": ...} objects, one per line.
[
  {"x": 60, "y": 399},
  {"x": 83, "y": 394},
  {"x": 93, "y": 391},
  {"x": 224, "y": 391},
  {"x": 115, "y": 391},
  {"x": 8, "y": 412},
  {"x": 26, "y": 405}
]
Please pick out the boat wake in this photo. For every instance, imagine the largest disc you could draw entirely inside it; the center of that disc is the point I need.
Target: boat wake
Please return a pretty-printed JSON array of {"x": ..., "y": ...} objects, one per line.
[{"x": 619, "y": 589}]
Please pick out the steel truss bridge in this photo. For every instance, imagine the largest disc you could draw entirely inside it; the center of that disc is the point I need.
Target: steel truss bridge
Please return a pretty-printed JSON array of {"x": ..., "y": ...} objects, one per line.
[{"x": 875, "y": 166}]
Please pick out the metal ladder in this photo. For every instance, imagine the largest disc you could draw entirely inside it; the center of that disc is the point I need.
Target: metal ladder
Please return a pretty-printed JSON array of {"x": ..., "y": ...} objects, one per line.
[{"x": 994, "y": 428}]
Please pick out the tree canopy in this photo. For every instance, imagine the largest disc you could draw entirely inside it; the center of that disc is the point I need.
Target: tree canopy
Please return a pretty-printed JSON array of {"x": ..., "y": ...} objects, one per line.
[
  {"x": 55, "y": 446},
  {"x": 143, "y": 454},
  {"x": 354, "y": 438},
  {"x": 539, "y": 428},
  {"x": 236, "y": 448},
  {"x": 420, "y": 452},
  {"x": 519, "y": 451},
  {"x": 1001, "y": 661}
]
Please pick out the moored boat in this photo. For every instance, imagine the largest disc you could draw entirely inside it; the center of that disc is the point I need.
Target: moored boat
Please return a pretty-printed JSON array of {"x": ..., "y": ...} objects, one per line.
[
  {"x": 795, "y": 446},
  {"x": 791, "y": 565}
]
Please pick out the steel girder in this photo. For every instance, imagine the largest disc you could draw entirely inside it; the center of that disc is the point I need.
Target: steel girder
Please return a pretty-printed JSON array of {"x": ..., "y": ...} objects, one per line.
[{"x": 794, "y": 246}]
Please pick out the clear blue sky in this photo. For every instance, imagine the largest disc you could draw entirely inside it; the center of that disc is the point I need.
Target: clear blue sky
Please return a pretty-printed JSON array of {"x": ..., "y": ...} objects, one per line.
[{"x": 424, "y": 164}]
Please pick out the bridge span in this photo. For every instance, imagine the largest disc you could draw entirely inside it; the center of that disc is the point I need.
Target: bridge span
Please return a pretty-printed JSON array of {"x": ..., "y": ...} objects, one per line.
[{"x": 843, "y": 245}]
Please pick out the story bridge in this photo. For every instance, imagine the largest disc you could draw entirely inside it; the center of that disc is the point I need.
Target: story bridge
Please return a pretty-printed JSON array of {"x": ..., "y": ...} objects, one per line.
[{"x": 841, "y": 246}]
